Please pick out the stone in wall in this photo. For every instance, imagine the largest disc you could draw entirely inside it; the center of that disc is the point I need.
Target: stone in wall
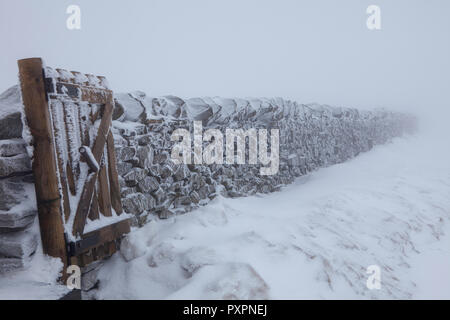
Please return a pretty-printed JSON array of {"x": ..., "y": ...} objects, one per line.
[
  {"x": 15, "y": 165},
  {"x": 17, "y": 214},
  {"x": 11, "y": 221},
  {"x": 10, "y": 114},
  {"x": 18, "y": 244},
  {"x": 18, "y": 205},
  {"x": 10, "y": 264},
  {"x": 12, "y": 147}
]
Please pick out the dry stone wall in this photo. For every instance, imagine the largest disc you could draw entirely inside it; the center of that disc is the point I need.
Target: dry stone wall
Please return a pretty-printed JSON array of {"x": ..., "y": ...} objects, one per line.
[{"x": 311, "y": 136}]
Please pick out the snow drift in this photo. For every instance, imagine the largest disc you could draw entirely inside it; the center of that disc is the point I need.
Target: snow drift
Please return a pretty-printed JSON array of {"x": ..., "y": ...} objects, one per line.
[{"x": 312, "y": 240}]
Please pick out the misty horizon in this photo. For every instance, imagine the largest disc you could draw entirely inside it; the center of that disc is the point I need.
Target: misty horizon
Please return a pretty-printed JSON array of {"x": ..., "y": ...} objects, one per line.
[{"x": 317, "y": 51}]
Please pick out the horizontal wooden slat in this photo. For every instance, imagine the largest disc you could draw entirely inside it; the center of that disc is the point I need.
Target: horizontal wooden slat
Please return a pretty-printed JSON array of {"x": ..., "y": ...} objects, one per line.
[
  {"x": 101, "y": 252},
  {"x": 95, "y": 95},
  {"x": 76, "y": 92},
  {"x": 110, "y": 232},
  {"x": 101, "y": 236}
]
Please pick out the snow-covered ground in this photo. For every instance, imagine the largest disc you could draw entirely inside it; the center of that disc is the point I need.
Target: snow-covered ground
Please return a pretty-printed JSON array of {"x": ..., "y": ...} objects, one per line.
[{"x": 315, "y": 239}]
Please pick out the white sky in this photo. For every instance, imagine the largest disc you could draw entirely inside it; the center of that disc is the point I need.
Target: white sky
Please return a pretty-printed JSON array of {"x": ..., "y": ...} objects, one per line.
[{"x": 312, "y": 50}]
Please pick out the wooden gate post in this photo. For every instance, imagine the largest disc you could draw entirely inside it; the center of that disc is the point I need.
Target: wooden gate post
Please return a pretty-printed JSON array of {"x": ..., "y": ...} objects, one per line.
[{"x": 44, "y": 159}]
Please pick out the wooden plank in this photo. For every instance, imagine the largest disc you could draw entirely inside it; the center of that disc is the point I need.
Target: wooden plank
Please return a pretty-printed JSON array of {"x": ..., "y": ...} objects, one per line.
[
  {"x": 77, "y": 92},
  {"x": 87, "y": 258},
  {"x": 84, "y": 152},
  {"x": 93, "y": 211},
  {"x": 65, "y": 75},
  {"x": 96, "y": 112},
  {"x": 44, "y": 163},
  {"x": 94, "y": 253},
  {"x": 84, "y": 205},
  {"x": 110, "y": 232},
  {"x": 103, "y": 131},
  {"x": 97, "y": 151},
  {"x": 75, "y": 77},
  {"x": 114, "y": 186},
  {"x": 98, "y": 237},
  {"x": 61, "y": 164},
  {"x": 81, "y": 78},
  {"x": 70, "y": 179},
  {"x": 100, "y": 252},
  {"x": 103, "y": 82},
  {"x": 74, "y": 261},
  {"x": 112, "y": 248},
  {"x": 95, "y": 95},
  {"x": 104, "y": 198},
  {"x": 108, "y": 250},
  {"x": 73, "y": 168}
]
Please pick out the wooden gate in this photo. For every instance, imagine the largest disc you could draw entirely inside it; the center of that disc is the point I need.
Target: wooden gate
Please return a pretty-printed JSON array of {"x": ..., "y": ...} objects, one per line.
[{"x": 77, "y": 188}]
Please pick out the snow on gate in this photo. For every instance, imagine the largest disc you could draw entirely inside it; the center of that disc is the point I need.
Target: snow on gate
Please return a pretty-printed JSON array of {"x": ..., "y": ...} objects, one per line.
[{"x": 74, "y": 162}]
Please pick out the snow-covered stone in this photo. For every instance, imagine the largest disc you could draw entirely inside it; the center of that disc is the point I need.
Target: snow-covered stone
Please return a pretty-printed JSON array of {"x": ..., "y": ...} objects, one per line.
[
  {"x": 195, "y": 197},
  {"x": 13, "y": 147},
  {"x": 197, "y": 109},
  {"x": 145, "y": 157},
  {"x": 15, "y": 220},
  {"x": 136, "y": 175},
  {"x": 133, "y": 108},
  {"x": 18, "y": 244},
  {"x": 125, "y": 153},
  {"x": 181, "y": 173},
  {"x": 119, "y": 111},
  {"x": 159, "y": 195},
  {"x": 148, "y": 184},
  {"x": 18, "y": 164},
  {"x": 12, "y": 193},
  {"x": 9, "y": 264},
  {"x": 137, "y": 203},
  {"x": 123, "y": 167},
  {"x": 10, "y": 114},
  {"x": 165, "y": 213}
]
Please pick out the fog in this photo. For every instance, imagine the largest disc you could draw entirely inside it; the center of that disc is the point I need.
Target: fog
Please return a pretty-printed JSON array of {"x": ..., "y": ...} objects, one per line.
[
  {"x": 310, "y": 51},
  {"x": 389, "y": 207}
]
